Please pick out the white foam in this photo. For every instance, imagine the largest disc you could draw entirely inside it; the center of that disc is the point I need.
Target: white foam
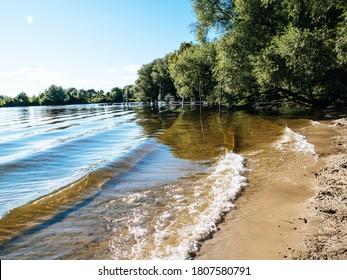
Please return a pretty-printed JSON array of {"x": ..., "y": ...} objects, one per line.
[
  {"x": 315, "y": 122},
  {"x": 295, "y": 142},
  {"x": 253, "y": 153},
  {"x": 226, "y": 181},
  {"x": 187, "y": 212}
]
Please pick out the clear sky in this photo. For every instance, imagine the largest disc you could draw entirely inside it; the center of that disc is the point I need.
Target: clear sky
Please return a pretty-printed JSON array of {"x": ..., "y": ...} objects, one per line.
[{"x": 85, "y": 44}]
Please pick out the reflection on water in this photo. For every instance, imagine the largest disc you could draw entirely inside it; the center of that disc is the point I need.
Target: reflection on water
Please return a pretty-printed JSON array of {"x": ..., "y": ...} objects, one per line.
[
  {"x": 198, "y": 138},
  {"x": 89, "y": 182}
]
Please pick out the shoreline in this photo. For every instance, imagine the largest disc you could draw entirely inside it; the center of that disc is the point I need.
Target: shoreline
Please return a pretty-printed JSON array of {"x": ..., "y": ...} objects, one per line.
[
  {"x": 326, "y": 238},
  {"x": 308, "y": 223}
]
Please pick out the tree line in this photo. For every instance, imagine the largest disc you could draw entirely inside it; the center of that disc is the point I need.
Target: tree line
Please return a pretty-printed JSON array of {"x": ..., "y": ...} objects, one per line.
[
  {"x": 293, "y": 50},
  {"x": 56, "y": 95}
]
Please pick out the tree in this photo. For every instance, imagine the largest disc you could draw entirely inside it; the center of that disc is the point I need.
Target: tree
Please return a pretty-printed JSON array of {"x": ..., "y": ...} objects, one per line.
[
  {"x": 116, "y": 95},
  {"x": 341, "y": 42},
  {"x": 82, "y": 96},
  {"x": 22, "y": 99},
  {"x": 129, "y": 92},
  {"x": 246, "y": 27},
  {"x": 74, "y": 96},
  {"x": 192, "y": 70},
  {"x": 161, "y": 77},
  {"x": 154, "y": 80},
  {"x": 147, "y": 89},
  {"x": 217, "y": 14},
  {"x": 92, "y": 95},
  {"x": 233, "y": 70},
  {"x": 54, "y": 95},
  {"x": 34, "y": 100},
  {"x": 3, "y": 100}
]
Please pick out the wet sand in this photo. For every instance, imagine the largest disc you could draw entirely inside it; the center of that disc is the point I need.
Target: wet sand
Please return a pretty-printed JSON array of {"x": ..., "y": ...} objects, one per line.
[
  {"x": 297, "y": 213},
  {"x": 327, "y": 234}
]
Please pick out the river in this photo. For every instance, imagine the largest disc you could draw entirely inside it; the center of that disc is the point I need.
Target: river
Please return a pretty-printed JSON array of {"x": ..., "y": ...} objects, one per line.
[{"x": 104, "y": 182}]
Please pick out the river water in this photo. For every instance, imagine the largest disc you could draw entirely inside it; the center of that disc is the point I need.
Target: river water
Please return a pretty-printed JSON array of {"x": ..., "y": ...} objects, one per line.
[{"x": 103, "y": 182}]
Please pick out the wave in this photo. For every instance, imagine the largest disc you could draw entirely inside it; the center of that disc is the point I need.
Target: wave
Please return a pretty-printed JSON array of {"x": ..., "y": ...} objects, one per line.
[
  {"x": 49, "y": 165},
  {"x": 171, "y": 221},
  {"x": 295, "y": 142},
  {"x": 84, "y": 188},
  {"x": 20, "y": 143},
  {"x": 315, "y": 122},
  {"x": 226, "y": 180}
]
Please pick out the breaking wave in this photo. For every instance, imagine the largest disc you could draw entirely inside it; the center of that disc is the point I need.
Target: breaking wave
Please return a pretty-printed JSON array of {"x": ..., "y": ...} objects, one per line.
[
  {"x": 295, "y": 142},
  {"x": 169, "y": 222}
]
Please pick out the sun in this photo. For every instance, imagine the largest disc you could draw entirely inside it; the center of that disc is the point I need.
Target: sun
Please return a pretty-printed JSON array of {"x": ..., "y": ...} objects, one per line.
[{"x": 30, "y": 19}]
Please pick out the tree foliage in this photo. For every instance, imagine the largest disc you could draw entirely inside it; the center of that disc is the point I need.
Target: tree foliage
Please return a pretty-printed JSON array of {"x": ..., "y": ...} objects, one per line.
[
  {"x": 217, "y": 14},
  {"x": 192, "y": 70},
  {"x": 269, "y": 49},
  {"x": 56, "y": 95},
  {"x": 154, "y": 81}
]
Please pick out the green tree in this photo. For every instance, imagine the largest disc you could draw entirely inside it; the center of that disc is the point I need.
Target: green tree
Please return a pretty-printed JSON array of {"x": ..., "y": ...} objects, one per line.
[
  {"x": 146, "y": 88},
  {"x": 129, "y": 92},
  {"x": 83, "y": 96},
  {"x": 3, "y": 100},
  {"x": 92, "y": 95},
  {"x": 192, "y": 70},
  {"x": 217, "y": 14},
  {"x": 116, "y": 95},
  {"x": 341, "y": 41},
  {"x": 22, "y": 99},
  {"x": 233, "y": 70},
  {"x": 54, "y": 95},
  {"x": 34, "y": 100},
  {"x": 74, "y": 96},
  {"x": 161, "y": 77}
]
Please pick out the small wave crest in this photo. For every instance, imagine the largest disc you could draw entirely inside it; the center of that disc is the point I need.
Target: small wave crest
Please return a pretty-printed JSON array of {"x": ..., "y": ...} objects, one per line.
[
  {"x": 170, "y": 222},
  {"x": 226, "y": 180},
  {"x": 295, "y": 142},
  {"x": 315, "y": 122}
]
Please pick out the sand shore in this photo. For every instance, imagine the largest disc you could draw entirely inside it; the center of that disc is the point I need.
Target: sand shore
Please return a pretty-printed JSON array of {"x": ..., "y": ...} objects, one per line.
[
  {"x": 326, "y": 237},
  {"x": 303, "y": 223}
]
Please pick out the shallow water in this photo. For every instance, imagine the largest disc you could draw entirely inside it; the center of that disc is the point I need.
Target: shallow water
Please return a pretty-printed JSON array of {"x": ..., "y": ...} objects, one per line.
[{"x": 90, "y": 182}]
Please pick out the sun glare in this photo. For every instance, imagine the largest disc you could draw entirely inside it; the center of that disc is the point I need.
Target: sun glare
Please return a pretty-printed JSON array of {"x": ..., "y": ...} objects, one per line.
[{"x": 30, "y": 19}]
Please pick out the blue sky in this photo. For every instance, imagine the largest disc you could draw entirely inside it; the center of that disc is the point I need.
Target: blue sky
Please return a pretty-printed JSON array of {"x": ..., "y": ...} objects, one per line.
[{"x": 85, "y": 44}]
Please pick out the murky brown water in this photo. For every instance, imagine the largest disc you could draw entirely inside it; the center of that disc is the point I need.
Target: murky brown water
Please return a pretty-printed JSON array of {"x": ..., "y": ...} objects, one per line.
[{"x": 147, "y": 184}]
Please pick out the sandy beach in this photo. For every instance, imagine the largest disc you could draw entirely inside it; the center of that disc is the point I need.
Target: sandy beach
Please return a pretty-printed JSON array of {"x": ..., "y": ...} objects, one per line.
[
  {"x": 303, "y": 219},
  {"x": 326, "y": 237}
]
